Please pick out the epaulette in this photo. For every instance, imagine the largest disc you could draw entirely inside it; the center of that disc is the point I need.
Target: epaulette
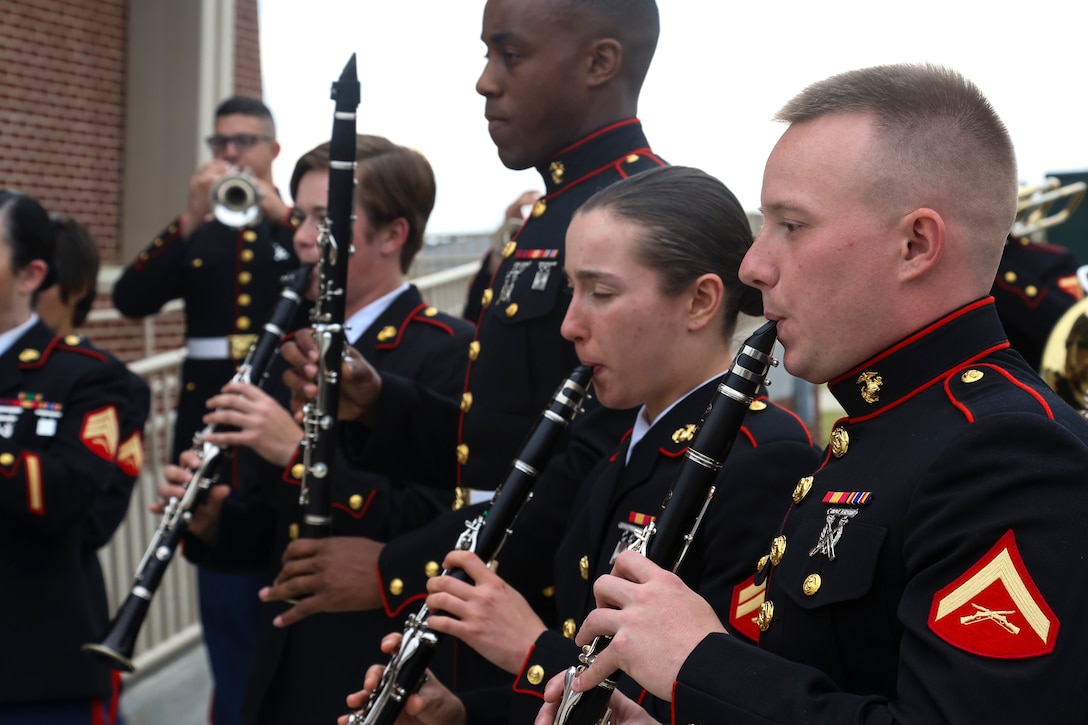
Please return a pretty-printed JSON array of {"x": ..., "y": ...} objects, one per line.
[
  {"x": 982, "y": 390},
  {"x": 32, "y": 357}
]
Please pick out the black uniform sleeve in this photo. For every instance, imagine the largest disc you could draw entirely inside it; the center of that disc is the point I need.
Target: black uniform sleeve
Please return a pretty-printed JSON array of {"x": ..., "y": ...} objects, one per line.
[{"x": 153, "y": 278}]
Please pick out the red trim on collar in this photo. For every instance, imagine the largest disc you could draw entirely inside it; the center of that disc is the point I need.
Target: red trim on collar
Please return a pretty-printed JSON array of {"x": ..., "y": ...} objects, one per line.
[
  {"x": 595, "y": 134},
  {"x": 913, "y": 338}
]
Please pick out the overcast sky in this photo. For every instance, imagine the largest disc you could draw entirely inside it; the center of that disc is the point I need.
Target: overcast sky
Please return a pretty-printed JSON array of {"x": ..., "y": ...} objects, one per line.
[{"x": 721, "y": 71}]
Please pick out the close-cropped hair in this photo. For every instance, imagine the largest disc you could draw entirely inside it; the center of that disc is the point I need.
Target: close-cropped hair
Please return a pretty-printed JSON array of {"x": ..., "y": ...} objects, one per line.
[
  {"x": 246, "y": 106},
  {"x": 635, "y": 23},
  {"x": 691, "y": 225},
  {"x": 392, "y": 182},
  {"x": 942, "y": 142},
  {"x": 25, "y": 226},
  {"x": 77, "y": 262}
]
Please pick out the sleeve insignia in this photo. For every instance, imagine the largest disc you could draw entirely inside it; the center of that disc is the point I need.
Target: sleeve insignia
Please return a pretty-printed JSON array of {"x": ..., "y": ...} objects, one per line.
[
  {"x": 130, "y": 456},
  {"x": 100, "y": 432},
  {"x": 743, "y": 610},
  {"x": 994, "y": 609},
  {"x": 1071, "y": 286}
]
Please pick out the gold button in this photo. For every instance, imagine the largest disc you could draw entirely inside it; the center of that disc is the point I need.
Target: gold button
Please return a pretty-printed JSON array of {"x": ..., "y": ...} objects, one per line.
[
  {"x": 539, "y": 207},
  {"x": 430, "y": 312},
  {"x": 244, "y": 300},
  {"x": 762, "y": 563},
  {"x": 757, "y": 405},
  {"x": 396, "y": 587},
  {"x": 778, "y": 549},
  {"x": 811, "y": 585},
  {"x": 144, "y": 256},
  {"x": 460, "y": 498},
  {"x": 802, "y": 488},
  {"x": 462, "y": 454},
  {"x": 583, "y": 567},
  {"x": 190, "y": 387},
  {"x": 972, "y": 376},
  {"x": 766, "y": 614},
  {"x": 840, "y": 442},
  {"x": 387, "y": 333},
  {"x": 71, "y": 339},
  {"x": 632, "y": 158},
  {"x": 157, "y": 242},
  {"x": 292, "y": 531},
  {"x": 356, "y": 502},
  {"x": 249, "y": 235},
  {"x": 473, "y": 350},
  {"x": 535, "y": 675},
  {"x": 431, "y": 569},
  {"x": 508, "y": 249},
  {"x": 242, "y": 323},
  {"x": 246, "y": 255},
  {"x": 570, "y": 628},
  {"x": 1010, "y": 277},
  {"x": 466, "y": 402},
  {"x": 245, "y": 277},
  {"x": 6, "y": 459},
  {"x": 198, "y": 263},
  {"x": 548, "y": 592},
  {"x": 172, "y": 229},
  {"x": 29, "y": 355},
  {"x": 1031, "y": 290},
  {"x": 485, "y": 300},
  {"x": 512, "y": 309},
  {"x": 297, "y": 471}
]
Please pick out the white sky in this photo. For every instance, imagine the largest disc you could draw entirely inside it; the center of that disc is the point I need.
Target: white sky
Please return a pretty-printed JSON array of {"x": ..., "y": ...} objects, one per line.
[{"x": 721, "y": 70}]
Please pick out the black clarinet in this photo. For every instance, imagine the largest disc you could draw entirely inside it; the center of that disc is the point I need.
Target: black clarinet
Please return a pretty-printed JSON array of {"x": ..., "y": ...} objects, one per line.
[
  {"x": 484, "y": 535},
  {"x": 665, "y": 540},
  {"x": 334, "y": 247},
  {"x": 116, "y": 648}
]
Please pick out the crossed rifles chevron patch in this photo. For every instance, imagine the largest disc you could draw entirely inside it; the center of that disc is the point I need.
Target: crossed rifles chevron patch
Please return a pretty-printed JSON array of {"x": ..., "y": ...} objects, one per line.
[{"x": 994, "y": 609}]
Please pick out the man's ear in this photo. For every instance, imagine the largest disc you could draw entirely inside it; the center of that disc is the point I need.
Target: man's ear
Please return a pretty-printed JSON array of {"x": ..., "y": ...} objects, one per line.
[
  {"x": 393, "y": 236},
  {"x": 30, "y": 277},
  {"x": 605, "y": 61},
  {"x": 707, "y": 297},
  {"x": 924, "y": 235}
]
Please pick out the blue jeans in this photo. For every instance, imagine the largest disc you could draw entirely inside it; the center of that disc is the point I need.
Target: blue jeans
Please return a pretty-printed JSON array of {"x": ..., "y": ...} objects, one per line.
[{"x": 229, "y": 611}]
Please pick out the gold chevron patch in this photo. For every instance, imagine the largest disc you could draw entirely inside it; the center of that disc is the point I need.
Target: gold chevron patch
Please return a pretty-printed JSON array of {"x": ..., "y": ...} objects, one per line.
[
  {"x": 100, "y": 432},
  {"x": 130, "y": 455}
]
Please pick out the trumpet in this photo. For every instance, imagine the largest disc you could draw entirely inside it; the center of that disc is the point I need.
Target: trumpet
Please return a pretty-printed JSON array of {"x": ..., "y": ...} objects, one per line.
[
  {"x": 235, "y": 200},
  {"x": 1045, "y": 205},
  {"x": 115, "y": 649}
]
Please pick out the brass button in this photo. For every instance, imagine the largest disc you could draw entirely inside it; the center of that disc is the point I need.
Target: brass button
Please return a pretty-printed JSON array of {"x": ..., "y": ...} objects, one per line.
[
  {"x": 297, "y": 470},
  {"x": 431, "y": 569},
  {"x": 157, "y": 242},
  {"x": 198, "y": 263},
  {"x": 245, "y": 277},
  {"x": 548, "y": 592},
  {"x": 172, "y": 229},
  {"x": 1031, "y": 290},
  {"x": 539, "y": 207},
  {"x": 246, "y": 255},
  {"x": 583, "y": 567},
  {"x": 570, "y": 628},
  {"x": 802, "y": 489},
  {"x": 356, "y": 502},
  {"x": 29, "y": 355},
  {"x": 6, "y": 459},
  {"x": 971, "y": 376},
  {"x": 812, "y": 584},
  {"x": 387, "y": 333},
  {"x": 535, "y": 675},
  {"x": 508, "y": 249},
  {"x": 249, "y": 235},
  {"x": 757, "y": 405},
  {"x": 396, "y": 587},
  {"x": 190, "y": 386},
  {"x": 762, "y": 563},
  {"x": 244, "y": 300},
  {"x": 292, "y": 531},
  {"x": 765, "y": 616},
  {"x": 242, "y": 323},
  {"x": 1010, "y": 277},
  {"x": 778, "y": 549},
  {"x": 71, "y": 339},
  {"x": 430, "y": 312},
  {"x": 473, "y": 350},
  {"x": 631, "y": 158},
  {"x": 485, "y": 300},
  {"x": 144, "y": 256},
  {"x": 512, "y": 309},
  {"x": 460, "y": 498},
  {"x": 840, "y": 442},
  {"x": 466, "y": 402},
  {"x": 462, "y": 454}
]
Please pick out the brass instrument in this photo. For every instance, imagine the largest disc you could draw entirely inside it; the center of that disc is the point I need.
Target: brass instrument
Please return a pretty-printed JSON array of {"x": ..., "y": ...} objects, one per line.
[
  {"x": 1045, "y": 205},
  {"x": 116, "y": 647},
  {"x": 235, "y": 199},
  {"x": 484, "y": 535},
  {"x": 665, "y": 540},
  {"x": 1065, "y": 357}
]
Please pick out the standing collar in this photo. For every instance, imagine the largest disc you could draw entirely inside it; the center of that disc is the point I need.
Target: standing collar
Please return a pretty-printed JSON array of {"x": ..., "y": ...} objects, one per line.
[
  {"x": 592, "y": 153},
  {"x": 921, "y": 359}
]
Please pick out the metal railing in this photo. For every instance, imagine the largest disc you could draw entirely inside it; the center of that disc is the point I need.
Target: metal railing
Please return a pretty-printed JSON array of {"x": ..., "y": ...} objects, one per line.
[{"x": 172, "y": 624}]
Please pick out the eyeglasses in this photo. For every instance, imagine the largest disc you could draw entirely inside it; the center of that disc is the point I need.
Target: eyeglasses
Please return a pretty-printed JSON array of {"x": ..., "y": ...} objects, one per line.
[{"x": 241, "y": 141}]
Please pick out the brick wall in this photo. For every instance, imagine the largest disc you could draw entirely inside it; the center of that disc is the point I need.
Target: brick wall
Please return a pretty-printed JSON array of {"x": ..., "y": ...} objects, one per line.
[{"x": 247, "y": 50}]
